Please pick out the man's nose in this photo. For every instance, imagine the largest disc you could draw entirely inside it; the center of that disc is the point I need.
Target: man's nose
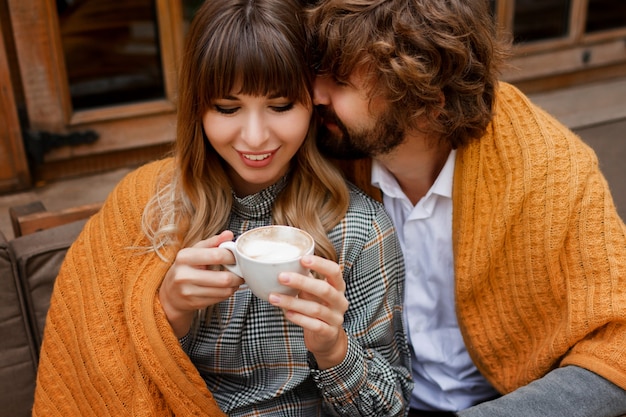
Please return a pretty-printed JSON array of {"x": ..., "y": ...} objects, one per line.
[{"x": 321, "y": 91}]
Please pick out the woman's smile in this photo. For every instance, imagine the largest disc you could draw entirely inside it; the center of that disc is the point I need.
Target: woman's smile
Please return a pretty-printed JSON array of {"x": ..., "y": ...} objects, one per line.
[{"x": 257, "y": 159}]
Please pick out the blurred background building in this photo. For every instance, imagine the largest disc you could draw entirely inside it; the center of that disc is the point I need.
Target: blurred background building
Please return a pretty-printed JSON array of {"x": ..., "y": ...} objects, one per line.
[{"x": 89, "y": 86}]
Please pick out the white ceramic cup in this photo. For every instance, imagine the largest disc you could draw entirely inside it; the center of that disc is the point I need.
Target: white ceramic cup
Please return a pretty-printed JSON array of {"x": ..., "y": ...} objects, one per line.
[{"x": 263, "y": 253}]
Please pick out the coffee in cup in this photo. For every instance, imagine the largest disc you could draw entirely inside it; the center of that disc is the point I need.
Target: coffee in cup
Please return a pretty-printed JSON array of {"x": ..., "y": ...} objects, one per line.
[{"x": 263, "y": 253}]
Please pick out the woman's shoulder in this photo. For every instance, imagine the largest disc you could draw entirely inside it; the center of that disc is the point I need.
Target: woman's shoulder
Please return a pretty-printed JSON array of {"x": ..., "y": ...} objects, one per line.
[
  {"x": 144, "y": 179},
  {"x": 365, "y": 232},
  {"x": 364, "y": 209},
  {"x": 126, "y": 203},
  {"x": 360, "y": 200},
  {"x": 139, "y": 185},
  {"x": 149, "y": 172}
]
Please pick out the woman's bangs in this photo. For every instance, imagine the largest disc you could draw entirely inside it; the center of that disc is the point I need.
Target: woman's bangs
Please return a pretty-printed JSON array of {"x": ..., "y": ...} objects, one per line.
[
  {"x": 248, "y": 65},
  {"x": 272, "y": 72}
]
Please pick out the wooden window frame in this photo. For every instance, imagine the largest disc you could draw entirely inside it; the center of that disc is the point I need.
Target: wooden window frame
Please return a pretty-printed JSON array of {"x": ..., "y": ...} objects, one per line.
[
  {"x": 46, "y": 88},
  {"x": 14, "y": 174},
  {"x": 595, "y": 54}
]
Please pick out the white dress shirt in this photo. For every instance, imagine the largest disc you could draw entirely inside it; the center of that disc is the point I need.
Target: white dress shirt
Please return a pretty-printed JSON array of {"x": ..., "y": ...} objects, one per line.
[{"x": 445, "y": 377}]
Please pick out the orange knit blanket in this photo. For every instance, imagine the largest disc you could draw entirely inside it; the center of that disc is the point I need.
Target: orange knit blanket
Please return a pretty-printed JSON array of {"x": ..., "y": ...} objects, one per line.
[
  {"x": 540, "y": 251},
  {"x": 108, "y": 349}
]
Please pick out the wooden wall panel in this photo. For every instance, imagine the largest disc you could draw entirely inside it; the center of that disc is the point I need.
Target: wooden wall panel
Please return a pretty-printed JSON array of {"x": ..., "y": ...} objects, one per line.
[{"x": 14, "y": 174}]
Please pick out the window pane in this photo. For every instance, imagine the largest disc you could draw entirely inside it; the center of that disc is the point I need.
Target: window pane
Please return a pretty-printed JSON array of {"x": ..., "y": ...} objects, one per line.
[
  {"x": 605, "y": 15},
  {"x": 111, "y": 51},
  {"x": 189, "y": 8},
  {"x": 540, "y": 19}
]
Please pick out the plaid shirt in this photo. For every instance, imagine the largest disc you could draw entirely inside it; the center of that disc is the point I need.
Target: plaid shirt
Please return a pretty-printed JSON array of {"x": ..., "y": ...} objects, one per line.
[{"x": 254, "y": 361}]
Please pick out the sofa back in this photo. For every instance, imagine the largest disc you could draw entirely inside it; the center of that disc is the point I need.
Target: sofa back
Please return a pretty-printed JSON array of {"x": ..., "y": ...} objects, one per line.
[{"x": 28, "y": 267}]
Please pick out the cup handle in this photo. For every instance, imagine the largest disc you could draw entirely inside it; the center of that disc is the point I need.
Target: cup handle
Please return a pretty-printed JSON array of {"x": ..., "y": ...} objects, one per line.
[{"x": 234, "y": 268}]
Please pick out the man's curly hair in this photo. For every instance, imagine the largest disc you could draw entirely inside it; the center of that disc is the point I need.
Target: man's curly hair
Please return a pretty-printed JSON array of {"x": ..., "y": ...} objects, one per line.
[{"x": 434, "y": 59}]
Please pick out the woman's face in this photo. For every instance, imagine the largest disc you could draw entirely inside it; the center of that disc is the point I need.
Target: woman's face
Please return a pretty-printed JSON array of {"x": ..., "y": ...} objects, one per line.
[{"x": 257, "y": 136}]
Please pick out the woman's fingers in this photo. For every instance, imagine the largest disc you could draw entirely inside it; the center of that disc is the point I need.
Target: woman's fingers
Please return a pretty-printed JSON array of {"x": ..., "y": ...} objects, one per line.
[
  {"x": 319, "y": 309},
  {"x": 326, "y": 268},
  {"x": 195, "y": 280},
  {"x": 215, "y": 241},
  {"x": 320, "y": 300},
  {"x": 197, "y": 255}
]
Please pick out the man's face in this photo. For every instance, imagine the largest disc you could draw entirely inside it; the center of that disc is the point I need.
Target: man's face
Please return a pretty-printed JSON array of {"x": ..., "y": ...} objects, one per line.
[{"x": 352, "y": 125}]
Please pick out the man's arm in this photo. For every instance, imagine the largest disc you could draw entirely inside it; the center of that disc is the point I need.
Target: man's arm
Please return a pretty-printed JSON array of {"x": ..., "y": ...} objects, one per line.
[{"x": 568, "y": 391}]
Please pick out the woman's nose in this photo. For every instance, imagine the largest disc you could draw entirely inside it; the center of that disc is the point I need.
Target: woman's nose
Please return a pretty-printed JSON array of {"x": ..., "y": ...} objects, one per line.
[{"x": 255, "y": 132}]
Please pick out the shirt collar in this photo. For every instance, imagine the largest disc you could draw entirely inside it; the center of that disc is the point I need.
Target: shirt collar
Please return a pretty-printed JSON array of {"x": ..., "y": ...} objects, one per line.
[{"x": 443, "y": 183}]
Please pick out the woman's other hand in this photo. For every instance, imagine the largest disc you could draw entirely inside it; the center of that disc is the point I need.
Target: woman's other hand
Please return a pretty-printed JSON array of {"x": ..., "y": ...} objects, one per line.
[
  {"x": 193, "y": 281},
  {"x": 319, "y": 309}
]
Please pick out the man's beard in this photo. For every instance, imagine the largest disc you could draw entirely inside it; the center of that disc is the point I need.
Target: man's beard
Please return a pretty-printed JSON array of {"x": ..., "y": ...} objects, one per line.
[{"x": 350, "y": 144}]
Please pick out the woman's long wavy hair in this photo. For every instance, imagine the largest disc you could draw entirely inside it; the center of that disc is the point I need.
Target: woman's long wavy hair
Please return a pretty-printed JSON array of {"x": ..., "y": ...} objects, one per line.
[
  {"x": 416, "y": 53},
  {"x": 259, "y": 47}
]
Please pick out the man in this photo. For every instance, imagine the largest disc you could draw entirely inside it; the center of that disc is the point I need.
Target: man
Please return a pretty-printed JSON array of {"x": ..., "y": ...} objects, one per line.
[{"x": 516, "y": 257}]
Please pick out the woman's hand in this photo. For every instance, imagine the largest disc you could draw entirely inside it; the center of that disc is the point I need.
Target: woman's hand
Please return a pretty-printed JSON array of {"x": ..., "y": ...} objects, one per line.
[
  {"x": 193, "y": 281},
  {"x": 319, "y": 309}
]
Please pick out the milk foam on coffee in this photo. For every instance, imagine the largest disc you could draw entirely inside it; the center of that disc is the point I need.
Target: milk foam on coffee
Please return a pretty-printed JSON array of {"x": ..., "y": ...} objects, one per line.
[{"x": 271, "y": 250}]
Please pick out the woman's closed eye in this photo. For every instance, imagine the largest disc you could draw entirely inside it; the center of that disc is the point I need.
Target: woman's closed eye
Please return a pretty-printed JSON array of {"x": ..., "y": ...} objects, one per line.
[
  {"x": 225, "y": 109},
  {"x": 282, "y": 108},
  {"x": 229, "y": 106}
]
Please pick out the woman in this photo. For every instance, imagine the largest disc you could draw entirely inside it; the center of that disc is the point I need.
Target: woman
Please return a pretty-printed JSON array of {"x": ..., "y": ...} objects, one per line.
[{"x": 121, "y": 337}]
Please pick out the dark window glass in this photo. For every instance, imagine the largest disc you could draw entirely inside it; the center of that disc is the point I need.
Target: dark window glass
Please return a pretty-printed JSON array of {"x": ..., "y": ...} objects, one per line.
[
  {"x": 111, "y": 51},
  {"x": 189, "y": 8},
  {"x": 536, "y": 20},
  {"x": 605, "y": 15}
]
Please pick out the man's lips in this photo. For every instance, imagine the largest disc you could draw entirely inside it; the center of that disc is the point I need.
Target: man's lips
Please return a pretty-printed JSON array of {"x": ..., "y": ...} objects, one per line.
[
  {"x": 329, "y": 120},
  {"x": 331, "y": 125}
]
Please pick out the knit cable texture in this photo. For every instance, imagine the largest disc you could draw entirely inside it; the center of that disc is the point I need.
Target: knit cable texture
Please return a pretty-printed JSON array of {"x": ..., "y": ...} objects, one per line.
[
  {"x": 108, "y": 349},
  {"x": 540, "y": 251}
]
